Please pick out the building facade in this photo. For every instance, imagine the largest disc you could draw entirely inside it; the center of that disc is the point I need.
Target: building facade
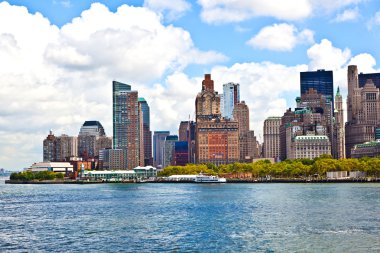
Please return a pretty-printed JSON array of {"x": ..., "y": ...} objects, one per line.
[
  {"x": 231, "y": 96},
  {"x": 91, "y": 139},
  {"x": 113, "y": 159},
  {"x": 169, "y": 144},
  {"x": 127, "y": 123},
  {"x": 181, "y": 153},
  {"x": 339, "y": 136},
  {"x": 59, "y": 148},
  {"x": 271, "y": 131},
  {"x": 147, "y": 134},
  {"x": 310, "y": 146}
]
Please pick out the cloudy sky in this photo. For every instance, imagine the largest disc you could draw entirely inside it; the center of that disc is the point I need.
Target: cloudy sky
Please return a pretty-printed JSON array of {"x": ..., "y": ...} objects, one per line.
[{"x": 58, "y": 58}]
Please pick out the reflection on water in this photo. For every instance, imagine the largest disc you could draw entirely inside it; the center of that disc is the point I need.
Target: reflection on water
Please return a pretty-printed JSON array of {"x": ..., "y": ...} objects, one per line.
[{"x": 191, "y": 217}]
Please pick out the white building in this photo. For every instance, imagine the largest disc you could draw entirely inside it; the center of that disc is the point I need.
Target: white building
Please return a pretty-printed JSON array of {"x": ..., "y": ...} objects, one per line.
[
  {"x": 310, "y": 146},
  {"x": 63, "y": 167}
]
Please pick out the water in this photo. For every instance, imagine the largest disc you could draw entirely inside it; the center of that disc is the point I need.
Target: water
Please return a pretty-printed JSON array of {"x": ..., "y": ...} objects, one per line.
[{"x": 190, "y": 218}]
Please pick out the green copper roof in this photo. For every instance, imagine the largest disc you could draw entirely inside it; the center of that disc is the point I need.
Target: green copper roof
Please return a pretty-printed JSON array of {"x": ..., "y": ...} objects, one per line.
[
  {"x": 142, "y": 100},
  {"x": 338, "y": 92}
]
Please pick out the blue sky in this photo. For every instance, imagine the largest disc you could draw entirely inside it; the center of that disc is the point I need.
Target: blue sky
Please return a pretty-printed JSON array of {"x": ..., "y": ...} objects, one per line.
[{"x": 59, "y": 58}]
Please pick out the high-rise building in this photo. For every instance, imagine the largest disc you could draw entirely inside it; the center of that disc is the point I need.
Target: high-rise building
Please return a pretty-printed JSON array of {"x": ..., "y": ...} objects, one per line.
[
  {"x": 147, "y": 134},
  {"x": 186, "y": 132},
  {"x": 91, "y": 139},
  {"x": 183, "y": 131},
  {"x": 59, "y": 148},
  {"x": 320, "y": 80},
  {"x": 375, "y": 77},
  {"x": 339, "y": 140},
  {"x": 112, "y": 159},
  {"x": 170, "y": 141},
  {"x": 231, "y": 96},
  {"x": 126, "y": 123},
  {"x": 363, "y": 110},
  {"x": 217, "y": 139},
  {"x": 158, "y": 148},
  {"x": 247, "y": 139},
  {"x": 272, "y": 137}
]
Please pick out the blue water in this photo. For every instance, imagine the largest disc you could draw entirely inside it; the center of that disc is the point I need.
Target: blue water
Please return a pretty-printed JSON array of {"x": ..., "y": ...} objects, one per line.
[{"x": 190, "y": 218}]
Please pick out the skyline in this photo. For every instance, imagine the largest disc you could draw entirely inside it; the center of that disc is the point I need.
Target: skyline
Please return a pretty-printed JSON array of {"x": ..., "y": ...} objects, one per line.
[{"x": 57, "y": 71}]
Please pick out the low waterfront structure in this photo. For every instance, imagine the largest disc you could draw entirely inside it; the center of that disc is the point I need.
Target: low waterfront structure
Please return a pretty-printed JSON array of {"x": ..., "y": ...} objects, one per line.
[
  {"x": 121, "y": 175},
  {"x": 63, "y": 167},
  {"x": 337, "y": 175},
  {"x": 367, "y": 149}
]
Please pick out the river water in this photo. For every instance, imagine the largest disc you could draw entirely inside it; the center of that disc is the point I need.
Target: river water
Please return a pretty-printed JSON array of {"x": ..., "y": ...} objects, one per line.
[{"x": 190, "y": 218}]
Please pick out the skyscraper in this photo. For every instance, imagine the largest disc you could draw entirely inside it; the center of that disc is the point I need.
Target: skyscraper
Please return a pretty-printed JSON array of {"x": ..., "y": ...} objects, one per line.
[
  {"x": 170, "y": 141},
  {"x": 217, "y": 139},
  {"x": 320, "y": 80},
  {"x": 272, "y": 137},
  {"x": 339, "y": 151},
  {"x": 158, "y": 147},
  {"x": 91, "y": 139},
  {"x": 147, "y": 134},
  {"x": 231, "y": 96},
  {"x": 126, "y": 123}
]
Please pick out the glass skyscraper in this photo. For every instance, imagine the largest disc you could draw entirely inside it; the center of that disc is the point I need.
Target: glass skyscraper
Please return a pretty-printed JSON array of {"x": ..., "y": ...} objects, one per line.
[
  {"x": 231, "y": 96},
  {"x": 364, "y": 77},
  {"x": 148, "y": 159},
  {"x": 320, "y": 80}
]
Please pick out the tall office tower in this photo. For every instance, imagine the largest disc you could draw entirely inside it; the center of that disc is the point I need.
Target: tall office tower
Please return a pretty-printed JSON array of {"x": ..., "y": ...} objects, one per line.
[
  {"x": 246, "y": 138},
  {"x": 91, "y": 139},
  {"x": 231, "y": 96},
  {"x": 217, "y": 139},
  {"x": 320, "y": 80},
  {"x": 339, "y": 128},
  {"x": 158, "y": 148},
  {"x": 147, "y": 134},
  {"x": 272, "y": 137},
  {"x": 49, "y": 149},
  {"x": 126, "y": 123},
  {"x": 363, "y": 115},
  {"x": 170, "y": 141}
]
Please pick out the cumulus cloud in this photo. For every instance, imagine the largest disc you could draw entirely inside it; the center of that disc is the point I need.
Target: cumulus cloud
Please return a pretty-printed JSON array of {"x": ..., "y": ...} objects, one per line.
[
  {"x": 225, "y": 11},
  {"x": 280, "y": 37},
  {"x": 56, "y": 78},
  {"x": 348, "y": 15},
  {"x": 173, "y": 9}
]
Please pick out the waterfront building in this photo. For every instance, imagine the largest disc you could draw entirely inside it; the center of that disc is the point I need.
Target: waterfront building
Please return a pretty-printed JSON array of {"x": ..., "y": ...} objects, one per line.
[
  {"x": 170, "y": 141},
  {"x": 310, "y": 146},
  {"x": 231, "y": 96},
  {"x": 271, "y": 145},
  {"x": 127, "y": 123},
  {"x": 121, "y": 175},
  {"x": 147, "y": 134},
  {"x": 217, "y": 138},
  {"x": 158, "y": 148},
  {"x": 62, "y": 167},
  {"x": 363, "y": 111},
  {"x": 320, "y": 80},
  {"x": 181, "y": 153}
]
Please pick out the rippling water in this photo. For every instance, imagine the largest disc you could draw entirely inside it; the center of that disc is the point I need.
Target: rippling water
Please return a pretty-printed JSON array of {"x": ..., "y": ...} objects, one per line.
[{"x": 190, "y": 218}]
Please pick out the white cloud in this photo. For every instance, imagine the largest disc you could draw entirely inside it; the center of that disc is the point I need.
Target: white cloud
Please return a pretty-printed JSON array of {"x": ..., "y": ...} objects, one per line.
[
  {"x": 173, "y": 9},
  {"x": 374, "y": 21},
  {"x": 325, "y": 56},
  {"x": 56, "y": 79},
  {"x": 280, "y": 37},
  {"x": 348, "y": 15},
  {"x": 225, "y": 11}
]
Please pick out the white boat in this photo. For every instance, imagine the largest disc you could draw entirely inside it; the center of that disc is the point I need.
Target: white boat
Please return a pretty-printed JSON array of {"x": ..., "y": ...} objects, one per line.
[{"x": 209, "y": 179}]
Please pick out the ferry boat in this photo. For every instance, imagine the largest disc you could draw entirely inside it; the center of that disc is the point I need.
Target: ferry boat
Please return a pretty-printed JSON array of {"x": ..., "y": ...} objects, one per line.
[{"x": 209, "y": 179}]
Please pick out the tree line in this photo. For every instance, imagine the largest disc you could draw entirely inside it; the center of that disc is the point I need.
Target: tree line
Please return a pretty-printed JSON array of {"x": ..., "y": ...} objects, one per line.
[
  {"x": 30, "y": 176},
  {"x": 297, "y": 168}
]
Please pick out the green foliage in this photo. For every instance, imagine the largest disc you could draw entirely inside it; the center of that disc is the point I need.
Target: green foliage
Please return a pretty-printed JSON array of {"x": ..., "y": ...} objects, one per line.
[
  {"x": 297, "y": 168},
  {"x": 41, "y": 175}
]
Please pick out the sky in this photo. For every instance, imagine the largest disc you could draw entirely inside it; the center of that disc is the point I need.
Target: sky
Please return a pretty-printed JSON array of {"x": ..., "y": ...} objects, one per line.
[{"x": 58, "y": 59}]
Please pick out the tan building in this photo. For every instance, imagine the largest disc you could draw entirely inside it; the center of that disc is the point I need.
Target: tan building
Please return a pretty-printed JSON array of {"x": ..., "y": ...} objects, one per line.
[
  {"x": 271, "y": 148},
  {"x": 59, "y": 148},
  {"x": 363, "y": 111},
  {"x": 217, "y": 139},
  {"x": 339, "y": 137}
]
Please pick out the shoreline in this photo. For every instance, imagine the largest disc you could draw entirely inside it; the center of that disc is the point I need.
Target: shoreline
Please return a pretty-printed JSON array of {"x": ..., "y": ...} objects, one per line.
[{"x": 229, "y": 181}]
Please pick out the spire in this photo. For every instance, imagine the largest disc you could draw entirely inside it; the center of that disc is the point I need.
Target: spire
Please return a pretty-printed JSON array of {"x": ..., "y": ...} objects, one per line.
[{"x": 338, "y": 92}]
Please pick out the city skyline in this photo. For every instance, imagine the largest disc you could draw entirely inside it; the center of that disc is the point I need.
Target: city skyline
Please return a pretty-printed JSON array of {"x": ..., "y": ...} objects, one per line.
[{"x": 57, "y": 71}]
